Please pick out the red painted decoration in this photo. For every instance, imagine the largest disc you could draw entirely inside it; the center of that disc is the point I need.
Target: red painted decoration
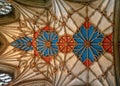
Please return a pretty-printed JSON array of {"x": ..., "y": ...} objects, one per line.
[
  {"x": 87, "y": 62},
  {"x": 47, "y": 28},
  {"x": 33, "y": 43},
  {"x": 87, "y": 25},
  {"x": 36, "y": 53},
  {"x": 66, "y": 44},
  {"x": 47, "y": 59},
  {"x": 36, "y": 34},
  {"x": 108, "y": 44}
]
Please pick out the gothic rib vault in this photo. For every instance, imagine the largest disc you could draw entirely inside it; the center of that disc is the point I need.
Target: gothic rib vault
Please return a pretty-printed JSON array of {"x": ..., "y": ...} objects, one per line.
[{"x": 60, "y": 43}]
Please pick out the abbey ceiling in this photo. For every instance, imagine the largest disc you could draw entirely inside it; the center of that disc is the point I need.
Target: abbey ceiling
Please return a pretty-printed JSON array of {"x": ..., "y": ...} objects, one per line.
[{"x": 59, "y": 42}]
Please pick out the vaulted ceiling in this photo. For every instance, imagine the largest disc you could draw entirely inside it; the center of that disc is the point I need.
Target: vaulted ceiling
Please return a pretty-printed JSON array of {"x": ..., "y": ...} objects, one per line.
[{"x": 57, "y": 42}]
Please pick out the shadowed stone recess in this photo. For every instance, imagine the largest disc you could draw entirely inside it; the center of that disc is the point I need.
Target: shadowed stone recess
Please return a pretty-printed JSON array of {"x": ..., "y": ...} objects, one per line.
[
  {"x": 35, "y": 3},
  {"x": 3, "y": 43},
  {"x": 82, "y": 1}
]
